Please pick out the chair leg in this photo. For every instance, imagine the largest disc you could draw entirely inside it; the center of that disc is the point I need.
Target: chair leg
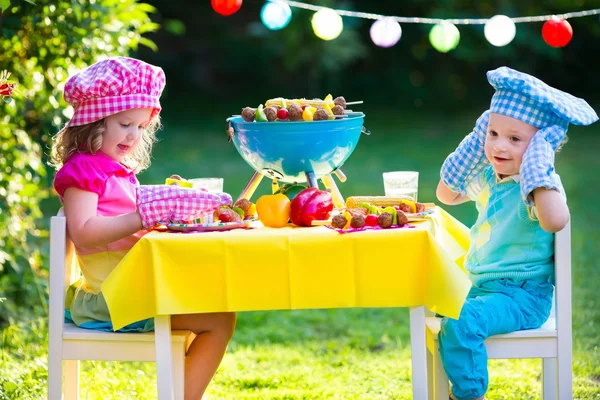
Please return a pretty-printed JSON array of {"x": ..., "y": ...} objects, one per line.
[
  {"x": 71, "y": 380},
  {"x": 418, "y": 350},
  {"x": 179, "y": 370},
  {"x": 430, "y": 391},
  {"x": 55, "y": 372},
  {"x": 549, "y": 378},
  {"x": 164, "y": 367},
  {"x": 565, "y": 373},
  {"x": 440, "y": 379}
]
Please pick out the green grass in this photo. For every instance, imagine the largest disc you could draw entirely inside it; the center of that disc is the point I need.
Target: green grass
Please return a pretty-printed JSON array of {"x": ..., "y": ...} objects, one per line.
[{"x": 346, "y": 353}]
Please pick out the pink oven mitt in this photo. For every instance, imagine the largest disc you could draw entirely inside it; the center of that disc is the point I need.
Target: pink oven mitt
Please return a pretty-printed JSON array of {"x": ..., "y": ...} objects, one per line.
[{"x": 163, "y": 203}]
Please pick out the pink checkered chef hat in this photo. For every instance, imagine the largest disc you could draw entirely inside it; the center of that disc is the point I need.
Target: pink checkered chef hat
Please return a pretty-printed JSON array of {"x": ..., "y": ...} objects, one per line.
[{"x": 111, "y": 86}]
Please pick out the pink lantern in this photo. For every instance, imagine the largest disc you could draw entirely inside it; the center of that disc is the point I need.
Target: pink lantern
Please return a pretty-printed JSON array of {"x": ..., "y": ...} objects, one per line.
[{"x": 385, "y": 32}]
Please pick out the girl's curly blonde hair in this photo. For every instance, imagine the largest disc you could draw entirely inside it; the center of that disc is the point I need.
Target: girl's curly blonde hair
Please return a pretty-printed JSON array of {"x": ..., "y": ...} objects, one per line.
[{"x": 88, "y": 139}]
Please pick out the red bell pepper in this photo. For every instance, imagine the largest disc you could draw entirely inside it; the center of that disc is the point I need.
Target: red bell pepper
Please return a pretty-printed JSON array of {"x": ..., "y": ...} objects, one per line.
[{"x": 309, "y": 205}]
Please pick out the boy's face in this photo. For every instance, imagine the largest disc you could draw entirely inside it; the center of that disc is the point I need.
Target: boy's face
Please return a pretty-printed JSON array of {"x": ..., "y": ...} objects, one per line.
[
  {"x": 123, "y": 132},
  {"x": 506, "y": 141}
]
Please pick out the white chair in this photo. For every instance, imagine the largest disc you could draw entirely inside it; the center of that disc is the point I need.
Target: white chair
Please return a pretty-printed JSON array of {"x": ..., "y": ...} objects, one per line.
[
  {"x": 69, "y": 343},
  {"x": 552, "y": 342}
]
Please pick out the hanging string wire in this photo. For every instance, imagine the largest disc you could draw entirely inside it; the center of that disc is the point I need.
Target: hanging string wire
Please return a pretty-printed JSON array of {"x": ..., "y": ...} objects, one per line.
[{"x": 455, "y": 21}]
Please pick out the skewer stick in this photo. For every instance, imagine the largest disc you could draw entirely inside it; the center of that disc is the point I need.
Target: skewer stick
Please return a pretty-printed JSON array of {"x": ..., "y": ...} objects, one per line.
[{"x": 347, "y": 113}]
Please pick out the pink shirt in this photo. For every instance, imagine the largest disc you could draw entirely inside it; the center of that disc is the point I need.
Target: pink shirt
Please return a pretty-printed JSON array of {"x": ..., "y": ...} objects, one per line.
[{"x": 115, "y": 186}]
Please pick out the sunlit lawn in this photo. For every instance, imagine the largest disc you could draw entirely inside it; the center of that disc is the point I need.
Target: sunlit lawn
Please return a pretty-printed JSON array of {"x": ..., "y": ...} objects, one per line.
[{"x": 338, "y": 354}]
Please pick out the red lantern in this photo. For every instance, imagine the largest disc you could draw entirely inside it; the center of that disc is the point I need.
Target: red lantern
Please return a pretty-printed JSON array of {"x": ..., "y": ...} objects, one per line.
[
  {"x": 557, "y": 32},
  {"x": 226, "y": 7}
]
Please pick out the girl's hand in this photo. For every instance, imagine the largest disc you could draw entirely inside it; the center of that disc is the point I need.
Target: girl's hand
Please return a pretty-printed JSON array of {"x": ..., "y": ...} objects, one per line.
[
  {"x": 86, "y": 228},
  {"x": 164, "y": 203}
]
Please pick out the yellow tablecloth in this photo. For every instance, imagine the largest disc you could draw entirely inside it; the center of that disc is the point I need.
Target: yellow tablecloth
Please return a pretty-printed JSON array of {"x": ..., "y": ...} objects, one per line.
[{"x": 291, "y": 268}]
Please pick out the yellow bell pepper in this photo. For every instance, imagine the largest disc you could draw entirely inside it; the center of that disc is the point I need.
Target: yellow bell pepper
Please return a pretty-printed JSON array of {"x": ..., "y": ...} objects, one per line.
[
  {"x": 348, "y": 217},
  {"x": 328, "y": 108},
  {"x": 251, "y": 210},
  {"x": 328, "y": 100},
  {"x": 411, "y": 204},
  {"x": 273, "y": 210},
  {"x": 308, "y": 112}
]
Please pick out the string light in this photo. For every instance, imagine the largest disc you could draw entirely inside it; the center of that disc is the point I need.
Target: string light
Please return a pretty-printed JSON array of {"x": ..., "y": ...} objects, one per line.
[
  {"x": 557, "y": 32},
  {"x": 385, "y": 32},
  {"x": 444, "y": 37},
  {"x": 499, "y": 30},
  {"x": 433, "y": 21},
  {"x": 226, "y": 7},
  {"x": 276, "y": 15},
  {"x": 327, "y": 24}
]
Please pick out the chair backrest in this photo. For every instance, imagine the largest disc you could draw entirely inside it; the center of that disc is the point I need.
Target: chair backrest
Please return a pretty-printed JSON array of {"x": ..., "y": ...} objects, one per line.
[
  {"x": 63, "y": 269},
  {"x": 562, "y": 277}
]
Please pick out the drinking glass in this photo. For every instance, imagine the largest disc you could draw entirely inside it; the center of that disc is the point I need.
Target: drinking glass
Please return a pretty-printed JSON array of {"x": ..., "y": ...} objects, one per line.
[
  {"x": 401, "y": 183},
  {"x": 210, "y": 184}
]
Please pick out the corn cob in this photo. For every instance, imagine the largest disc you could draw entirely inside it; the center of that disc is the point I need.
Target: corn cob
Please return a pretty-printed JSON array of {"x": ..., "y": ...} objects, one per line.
[
  {"x": 380, "y": 201},
  {"x": 281, "y": 102}
]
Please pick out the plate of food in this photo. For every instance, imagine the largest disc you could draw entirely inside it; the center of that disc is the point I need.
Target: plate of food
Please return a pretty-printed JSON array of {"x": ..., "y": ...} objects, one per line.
[
  {"x": 420, "y": 216},
  {"x": 209, "y": 227},
  {"x": 377, "y": 213}
]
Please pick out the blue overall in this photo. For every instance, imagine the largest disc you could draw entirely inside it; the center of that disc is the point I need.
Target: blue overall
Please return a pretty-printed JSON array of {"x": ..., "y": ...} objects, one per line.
[
  {"x": 510, "y": 262},
  {"x": 495, "y": 307}
]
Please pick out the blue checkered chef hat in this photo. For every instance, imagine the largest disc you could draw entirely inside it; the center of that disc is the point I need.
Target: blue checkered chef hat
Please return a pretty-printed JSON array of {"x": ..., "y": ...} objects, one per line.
[{"x": 530, "y": 100}]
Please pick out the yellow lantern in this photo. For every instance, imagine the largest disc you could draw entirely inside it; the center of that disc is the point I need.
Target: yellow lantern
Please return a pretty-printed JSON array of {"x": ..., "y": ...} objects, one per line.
[{"x": 327, "y": 24}]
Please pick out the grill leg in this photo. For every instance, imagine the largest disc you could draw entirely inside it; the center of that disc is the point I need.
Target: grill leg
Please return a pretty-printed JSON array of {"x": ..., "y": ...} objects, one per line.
[
  {"x": 251, "y": 186},
  {"x": 311, "y": 179}
]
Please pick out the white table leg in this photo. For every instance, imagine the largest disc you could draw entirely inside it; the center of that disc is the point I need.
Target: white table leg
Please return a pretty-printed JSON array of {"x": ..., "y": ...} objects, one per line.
[
  {"x": 418, "y": 350},
  {"x": 164, "y": 362}
]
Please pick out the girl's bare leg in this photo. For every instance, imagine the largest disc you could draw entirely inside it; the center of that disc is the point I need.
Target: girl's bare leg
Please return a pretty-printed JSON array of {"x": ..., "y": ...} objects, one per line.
[{"x": 204, "y": 355}]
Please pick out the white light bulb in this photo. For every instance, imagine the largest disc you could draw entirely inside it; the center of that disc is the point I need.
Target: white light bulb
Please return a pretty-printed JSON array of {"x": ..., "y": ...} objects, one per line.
[
  {"x": 327, "y": 24},
  {"x": 385, "y": 32},
  {"x": 500, "y": 30}
]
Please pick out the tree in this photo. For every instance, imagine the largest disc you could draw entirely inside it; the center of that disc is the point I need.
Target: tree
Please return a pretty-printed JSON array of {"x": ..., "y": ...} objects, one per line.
[{"x": 42, "y": 43}]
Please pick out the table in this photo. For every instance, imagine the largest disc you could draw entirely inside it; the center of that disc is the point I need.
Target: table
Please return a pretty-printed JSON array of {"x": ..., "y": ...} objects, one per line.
[{"x": 294, "y": 268}]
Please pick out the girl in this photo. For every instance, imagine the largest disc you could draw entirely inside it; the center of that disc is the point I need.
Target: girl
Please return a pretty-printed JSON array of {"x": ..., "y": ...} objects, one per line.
[
  {"x": 506, "y": 165},
  {"x": 106, "y": 142}
]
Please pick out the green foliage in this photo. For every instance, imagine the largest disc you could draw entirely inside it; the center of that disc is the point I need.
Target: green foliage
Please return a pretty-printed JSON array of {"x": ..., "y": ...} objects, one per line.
[{"x": 41, "y": 44}]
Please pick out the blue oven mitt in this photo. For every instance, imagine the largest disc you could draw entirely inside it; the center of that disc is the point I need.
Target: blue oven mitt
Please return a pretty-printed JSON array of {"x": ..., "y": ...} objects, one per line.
[
  {"x": 537, "y": 167},
  {"x": 468, "y": 160}
]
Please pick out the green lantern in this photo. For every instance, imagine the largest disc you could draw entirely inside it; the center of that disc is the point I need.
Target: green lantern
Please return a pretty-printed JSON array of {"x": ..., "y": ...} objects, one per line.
[{"x": 444, "y": 37}]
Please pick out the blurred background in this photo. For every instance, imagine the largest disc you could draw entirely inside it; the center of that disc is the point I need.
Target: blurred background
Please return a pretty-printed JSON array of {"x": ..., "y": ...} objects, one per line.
[{"x": 419, "y": 103}]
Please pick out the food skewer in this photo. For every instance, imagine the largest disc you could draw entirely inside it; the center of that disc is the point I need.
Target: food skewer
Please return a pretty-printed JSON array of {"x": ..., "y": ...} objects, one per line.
[
  {"x": 321, "y": 222},
  {"x": 282, "y": 102},
  {"x": 347, "y": 113}
]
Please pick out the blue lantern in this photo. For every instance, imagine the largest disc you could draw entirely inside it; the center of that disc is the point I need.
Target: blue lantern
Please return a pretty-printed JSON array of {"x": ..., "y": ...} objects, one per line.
[{"x": 276, "y": 15}]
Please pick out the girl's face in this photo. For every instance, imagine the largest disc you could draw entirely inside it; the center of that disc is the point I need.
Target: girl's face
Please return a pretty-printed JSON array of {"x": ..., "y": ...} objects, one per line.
[
  {"x": 506, "y": 141},
  {"x": 123, "y": 132}
]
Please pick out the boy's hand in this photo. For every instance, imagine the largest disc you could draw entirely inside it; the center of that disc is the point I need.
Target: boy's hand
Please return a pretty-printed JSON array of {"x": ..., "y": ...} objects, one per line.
[
  {"x": 468, "y": 160},
  {"x": 537, "y": 167},
  {"x": 163, "y": 203}
]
